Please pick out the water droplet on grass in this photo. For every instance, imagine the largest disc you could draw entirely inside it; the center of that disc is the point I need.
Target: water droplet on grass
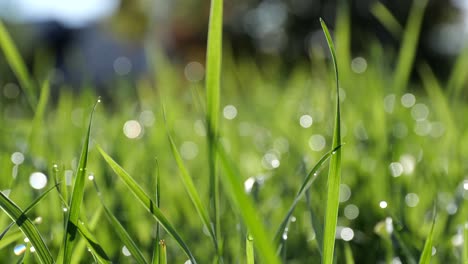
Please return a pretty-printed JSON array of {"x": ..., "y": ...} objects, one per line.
[
  {"x": 132, "y": 129},
  {"x": 26, "y": 240},
  {"x": 248, "y": 184},
  {"x": 383, "y": 204},
  {"x": 91, "y": 177},
  {"x": 396, "y": 169},
  {"x": 408, "y": 100},
  {"x": 32, "y": 249},
  {"x": 19, "y": 249},
  {"x": 345, "y": 193},
  {"x": 412, "y": 199},
  {"x": 305, "y": 121},
  {"x": 38, "y": 180},
  {"x": 347, "y": 234},
  {"x": 125, "y": 251},
  {"x": 17, "y": 158},
  {"x": 68, "y": 177},
  {"x": 230, "y": 112}
]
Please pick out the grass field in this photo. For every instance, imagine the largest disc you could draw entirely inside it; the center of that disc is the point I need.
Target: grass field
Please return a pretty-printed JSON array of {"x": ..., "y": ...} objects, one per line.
[{"x": 221, "y": 172}]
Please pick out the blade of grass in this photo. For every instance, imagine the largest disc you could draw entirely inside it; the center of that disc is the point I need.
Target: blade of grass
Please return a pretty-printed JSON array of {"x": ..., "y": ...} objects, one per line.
[
  {"x": 458, "y": 76},
  {"x": 304, "y": 187},
  {"x": 70, "y": 237},
  {"x": 465, "y": 242},
  {"x": 94, "y": 246},
  {"x": 17, "y": 65},
  {"x": 120, "y": 231},
  {"x": 213, "y": 77},
  {"x": 27, "y": 227},
  {"x": 35, "y": 140},
  {"x": 409, "y": 45},
  {"x": 334, "y": 173},
  {"x": 156, "y": 252},
  {"x": 190, "y": 187},
  {"x": 381, "y": 12},
  {"x": 348, "y": 254},
  {"x": 162, "y": 249},
  {"x": 427, "y": 251},
  {"x": 245, "y": 206},
  {"x": 81, "y": 246},
  {"x": 249, "y": 247},
  {"x": 146, "y": 201}
]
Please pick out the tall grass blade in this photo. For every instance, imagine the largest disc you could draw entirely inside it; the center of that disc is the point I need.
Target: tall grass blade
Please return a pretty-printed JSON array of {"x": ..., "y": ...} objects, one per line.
[
  {"x": 93, "y": 245},
  {"x": 213, "y": 77},
  {"x": 381, "y": 12},
  {"x": 245, "y": 206},
  {"x": 190, "y": 187},
  {"x": 124, "y": 236},
  {"x": 146, "y": 201},
  {"x": 77, "y": 196},
  {"x": 249, "y": 248},
  {"x": 17, "y": 65},
  {"x": 27, "y": 227},
  {"x": 408, "y": 46},
  {"x": 163, "y": 254},
  {"x": 156, "y": 252},
  {"x": 80, "y": 248},
  {"x": 306, "y": 184},
  {"x": 334, "y": 173},
  {"x": 427, "y": 251},
  {"x": 348, "y": 254}
]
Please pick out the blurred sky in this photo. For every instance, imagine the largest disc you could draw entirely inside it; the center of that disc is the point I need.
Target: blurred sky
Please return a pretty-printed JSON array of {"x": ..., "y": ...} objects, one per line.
[{"x": 71, "y": 13}]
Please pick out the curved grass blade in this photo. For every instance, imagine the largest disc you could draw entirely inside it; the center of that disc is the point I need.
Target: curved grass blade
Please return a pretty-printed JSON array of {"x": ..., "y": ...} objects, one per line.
[
  {"x": 31, "y": 206},
  {"x": 249, "y": 248},
  {"x": 70, "y": 237},
  {"x": 146, "y": 201},
  {"x": 427, "y": 251},
  {"x": 245, "y": 206},
  {"x": 17, "y": 65},
  {"x": 408, "y": 46},
  {"x": 304, "y": 187},
  {"x": 27, "y": 227},
  {"x": 79, "y": 250},
  {"x": 213, "y": 77},
  {"x": 94, "y": 246},
  {"x": 334, "y": 173},
  {"x": 191, "y": 190},
  {"x": 11, "y": 238}
]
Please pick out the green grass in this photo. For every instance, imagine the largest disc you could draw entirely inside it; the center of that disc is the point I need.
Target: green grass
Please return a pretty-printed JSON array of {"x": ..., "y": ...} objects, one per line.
[{"x": 250, "y": 188}]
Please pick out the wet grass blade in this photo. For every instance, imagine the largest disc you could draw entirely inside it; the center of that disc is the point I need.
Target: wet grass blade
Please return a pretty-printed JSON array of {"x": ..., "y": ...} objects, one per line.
[
  {"x": 163, "y": 254},
  {"x": 81, "y": 246},
  {"x": 93, "y": 245},
  {"x": 408, "y": 46},
  {"x": 27, "y": 227},
  {"x": 190, "y": 188},
  {"x": 245, "y": 206},
  {"x": 146, "y": 201},
  {"x": 249, "y": 247},
  {"x": 17, "y": 65},
  {"x": 213, "y": 77},
  {"x": 304, "y": 187},
  {"x": 334, "y": 173},
  {"x": 427, "y": 251},
  {"x": 77, "y": 197},
  {"x": 31, "y": 206}
]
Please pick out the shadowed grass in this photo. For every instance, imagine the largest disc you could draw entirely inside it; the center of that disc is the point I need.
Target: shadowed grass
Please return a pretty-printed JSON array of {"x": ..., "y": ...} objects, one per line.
[
  {"x": 146, "y": 201},
  {"x": 334, "y": 173}
]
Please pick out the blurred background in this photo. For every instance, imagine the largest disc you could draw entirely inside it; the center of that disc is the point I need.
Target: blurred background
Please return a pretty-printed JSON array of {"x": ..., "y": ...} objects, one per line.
[{"x": 98, "y": 41}]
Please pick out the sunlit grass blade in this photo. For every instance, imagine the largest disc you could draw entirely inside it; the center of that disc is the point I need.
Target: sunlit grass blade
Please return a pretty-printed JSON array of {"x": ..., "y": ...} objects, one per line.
[
  {"x": 213, "y": 77},
  {"x": 190, "y": 188},
  {"x": 27, "y": 227},
  {"x": 304, "y": 187},
  {"x": 381, "y": 12},
  {"x": 10, "y": 238},
  {"x": 245, "y": 206},
  {"x": 31, "y": 206},
  {"x": 348, "y": 254},
  {"x": 93, "y": 245},
  {"x": 458, "y": 76},
  {"x": 80, "y": 248},
  {"x": 17, "y": 65},
  {"x": 427, "y": 251},
  {"x": 146, "y": 201},
  {"x": 334, "y": 173},
  {"x": 163, "y": 253},
  {"x": 249, "y": 248},
  {"x": 408, "y": 46},
  {"x": 77, "y": 196}
]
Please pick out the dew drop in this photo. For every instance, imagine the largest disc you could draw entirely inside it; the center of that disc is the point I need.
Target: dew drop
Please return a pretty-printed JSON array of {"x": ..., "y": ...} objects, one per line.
[
  {"x": 305, "y": 121},
  {"x": 91, "y": 177},
  {"x": 383, "y": 204},
  {"x": 125, "y": 251},
  {"x": 19, "y": 249},
  {"x": 347, "y": 234},
  {"x": 230, "y": 112},
  {"x": 38, "y": 180},
  {"x": 351, "y": 211},
  {"x": 188, "y": 262},
  {"x": 132, "y": 129},
  {"x": 248, "y": 184},
  {"x": 65, "y": 209},
  {"x": 32, "y": 249},
  {"x": 17, "y": 158}
]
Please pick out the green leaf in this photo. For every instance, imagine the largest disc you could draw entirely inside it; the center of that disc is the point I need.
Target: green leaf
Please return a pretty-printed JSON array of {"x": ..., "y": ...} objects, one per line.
[
  {"x": 304, "y": 187},
  {"x": 249, "y": 247},
  {"x": 427, "y": 251},
  {"x": 213, "y": 77},
  {"x": 27, "y": 227},
  {"x": 17, "y": 65},
  {"x": 334, "y": 173},
  {"x": 146, "y": 201},
  {"x": 163, "y": 255},
  {"x": 70, "y": 237},
  {"x": 124, "y": 236},
  {"x": 245, "y": 206},
  {"x": 408, "y": 46}
]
